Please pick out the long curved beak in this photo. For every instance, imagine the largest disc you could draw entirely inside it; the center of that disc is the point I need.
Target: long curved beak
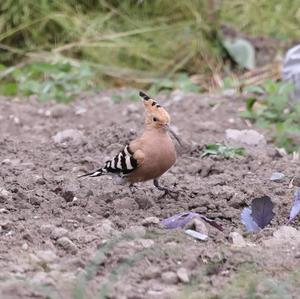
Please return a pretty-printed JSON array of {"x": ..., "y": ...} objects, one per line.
[{"x": 173, "y": 134}]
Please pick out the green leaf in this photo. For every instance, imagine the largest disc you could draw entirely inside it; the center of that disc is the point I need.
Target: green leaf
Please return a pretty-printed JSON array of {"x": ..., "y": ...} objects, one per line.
[
  {"x": 222, "y": 150},
  {"x": 250, "y": 103},
  {"x": 241, "y": 51},
  {"x": 254, "y": 89}
]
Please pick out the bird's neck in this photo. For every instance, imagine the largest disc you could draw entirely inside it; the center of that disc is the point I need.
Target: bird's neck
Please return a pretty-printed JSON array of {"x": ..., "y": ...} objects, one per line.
[{"x": 154, "y": 130}]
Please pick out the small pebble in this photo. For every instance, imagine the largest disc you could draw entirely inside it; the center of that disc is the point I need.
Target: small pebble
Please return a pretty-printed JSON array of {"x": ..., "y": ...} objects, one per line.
[
  {"x": 47, "y": 256},
  {"x": 196, "y": 235},
  {"x": 145, "y": 243},
  {"x": 67, "y": 245},
  {"x": 152, "y": 272},
  {"x": 46, "y": 229},
  {"x": 58, "y": 232},
  {"x": 277, "y": 176},
  {"x": 237, "y": 239},
  {"x": 25, "y": 246},
  {"x": 169, "y": 277},
  {"x": 183, "y": 275},
  {"x": 150, "y": 221}
]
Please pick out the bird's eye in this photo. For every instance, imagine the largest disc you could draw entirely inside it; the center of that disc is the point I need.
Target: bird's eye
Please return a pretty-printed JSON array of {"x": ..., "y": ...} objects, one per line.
[{"x": 154, "y": 119}]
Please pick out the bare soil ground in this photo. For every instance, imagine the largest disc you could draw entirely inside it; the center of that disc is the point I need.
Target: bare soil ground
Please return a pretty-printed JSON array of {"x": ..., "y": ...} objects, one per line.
[{"x": 61, "y": 237}]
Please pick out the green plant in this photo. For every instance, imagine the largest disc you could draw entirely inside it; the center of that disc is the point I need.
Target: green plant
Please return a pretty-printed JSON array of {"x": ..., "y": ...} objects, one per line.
[
  {"x": 180, "y": 81},
  {"x": 59, "y": 81},
  {"x": 218, "y": 149},
  {"x": 271, "y": 109},
  {"x": 137, "y": 41},
  {"x": 131, "y": 95}
]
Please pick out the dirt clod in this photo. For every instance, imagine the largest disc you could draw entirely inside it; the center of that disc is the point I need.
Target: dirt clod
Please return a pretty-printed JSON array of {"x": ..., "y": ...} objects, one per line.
[
  {"x": 150, "y": 221},
  {"x": 67, "y": 245},
  {"x": 58, "y": 232},
  {"x": 169, "y": 277}
]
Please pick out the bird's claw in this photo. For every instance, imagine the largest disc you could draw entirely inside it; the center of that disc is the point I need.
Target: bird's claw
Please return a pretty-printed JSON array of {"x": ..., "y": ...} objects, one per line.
[{"x": 171, "y": 193}]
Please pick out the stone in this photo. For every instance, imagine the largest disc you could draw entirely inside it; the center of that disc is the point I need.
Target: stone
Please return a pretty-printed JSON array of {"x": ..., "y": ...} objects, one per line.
[
  {"x": 237, "y": 239},
  {"x": 250, "y": 138},
  {"x": 196, "y": 235},
  {"x": 145, "y": 243},
  {"x": 183, "y": 275},
  {"x": 75, "y": 136},
  {"x": 277, "y": 176},
  {"x": 47, "y": 256},
  {"x": 58, "y": 232},
  {"x": 169, "y": 277},
  {"x": 152, "y": 272},
  {"x": 79, "y": 110},
  {"x": 67, "y": 245},
  {"x": 5, "y": 195},
  {"x": 105, "y": 229},
  {"x": 25, "y": 246},
  {"x": 285, "y": 236},
  {"x": 150, "y": 221},
  {"x": 46, "y": 229}
]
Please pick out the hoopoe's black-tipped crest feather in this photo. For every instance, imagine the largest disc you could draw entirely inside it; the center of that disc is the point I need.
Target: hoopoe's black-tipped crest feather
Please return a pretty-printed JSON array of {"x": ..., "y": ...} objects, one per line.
[
  {"x": 144, "y": 96},
  {"x": 154, "y": 111}
]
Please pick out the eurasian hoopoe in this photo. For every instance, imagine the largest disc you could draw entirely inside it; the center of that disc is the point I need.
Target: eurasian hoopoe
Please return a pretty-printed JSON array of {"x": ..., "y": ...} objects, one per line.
[{"x": 147, "y": 157}]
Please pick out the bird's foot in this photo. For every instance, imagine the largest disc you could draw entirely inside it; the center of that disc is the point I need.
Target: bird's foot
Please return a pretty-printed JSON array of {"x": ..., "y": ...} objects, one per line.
[{"x": 171, "y": 193}]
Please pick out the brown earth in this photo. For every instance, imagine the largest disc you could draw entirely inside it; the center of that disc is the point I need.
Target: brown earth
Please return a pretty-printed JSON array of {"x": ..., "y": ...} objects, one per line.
[{"x": 61, "y": 237}]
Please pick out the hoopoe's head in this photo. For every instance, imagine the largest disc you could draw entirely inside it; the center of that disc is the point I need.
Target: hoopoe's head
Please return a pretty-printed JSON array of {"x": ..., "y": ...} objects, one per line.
[{"x": 156, "y": 116}]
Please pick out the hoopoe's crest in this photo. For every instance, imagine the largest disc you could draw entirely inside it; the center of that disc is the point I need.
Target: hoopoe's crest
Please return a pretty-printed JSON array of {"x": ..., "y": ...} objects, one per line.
[{"x": 156, "y": 115}]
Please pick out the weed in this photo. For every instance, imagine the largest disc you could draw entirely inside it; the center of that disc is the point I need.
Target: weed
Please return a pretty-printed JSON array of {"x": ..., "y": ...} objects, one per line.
[
  {"x": 271, "y": 109},
  {"x": 137, "y": 41},
  {"x": 60, "y": 81},
  {"x": 131, "y": 95},
  {"x": 180, "y": 81},
  {"x": 218, "y": 149}
]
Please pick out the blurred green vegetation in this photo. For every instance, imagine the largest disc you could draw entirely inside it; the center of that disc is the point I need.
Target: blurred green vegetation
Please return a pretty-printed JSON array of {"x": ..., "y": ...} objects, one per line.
[
  {"x": 136, "y": 41},
  {"x": 270, "y": 108}
]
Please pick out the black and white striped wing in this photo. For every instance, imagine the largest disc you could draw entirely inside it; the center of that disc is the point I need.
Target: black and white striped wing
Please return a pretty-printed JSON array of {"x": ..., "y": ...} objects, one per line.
[{"x": 122, "y": 164}]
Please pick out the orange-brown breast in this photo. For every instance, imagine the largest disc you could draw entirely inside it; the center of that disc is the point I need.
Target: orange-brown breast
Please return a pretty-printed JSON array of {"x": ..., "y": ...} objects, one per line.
[{"x": 159, "y": 155}]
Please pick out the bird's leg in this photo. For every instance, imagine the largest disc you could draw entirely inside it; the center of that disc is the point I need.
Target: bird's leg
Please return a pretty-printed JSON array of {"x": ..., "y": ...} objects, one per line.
[{"x": 172, "y": 193}]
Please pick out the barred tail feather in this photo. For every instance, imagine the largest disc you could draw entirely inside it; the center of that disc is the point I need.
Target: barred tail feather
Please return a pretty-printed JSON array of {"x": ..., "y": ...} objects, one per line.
[{"x": 95, "y": 173}]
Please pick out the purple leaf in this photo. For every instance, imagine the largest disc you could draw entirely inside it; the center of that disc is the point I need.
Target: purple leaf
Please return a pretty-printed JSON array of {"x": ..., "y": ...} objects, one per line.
[
  {"x": 262, "y": 211},
  {"x": 179, "y": 220},
  {"x": 296, "y": 206},
  {"x": 248, "y": 221}
]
